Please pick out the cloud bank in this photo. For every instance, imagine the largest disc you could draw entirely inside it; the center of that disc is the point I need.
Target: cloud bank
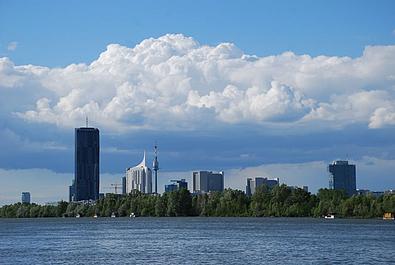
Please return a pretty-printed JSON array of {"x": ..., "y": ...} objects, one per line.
[{"x": 175, "y": 83}]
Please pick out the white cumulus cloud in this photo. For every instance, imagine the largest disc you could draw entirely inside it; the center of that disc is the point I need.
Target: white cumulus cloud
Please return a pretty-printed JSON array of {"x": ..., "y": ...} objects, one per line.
[{"x": 174, "y": 82}]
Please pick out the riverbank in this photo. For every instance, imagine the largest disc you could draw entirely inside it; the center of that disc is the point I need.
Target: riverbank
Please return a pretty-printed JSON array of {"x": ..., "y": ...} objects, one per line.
[{"x": 280, "y": 201}]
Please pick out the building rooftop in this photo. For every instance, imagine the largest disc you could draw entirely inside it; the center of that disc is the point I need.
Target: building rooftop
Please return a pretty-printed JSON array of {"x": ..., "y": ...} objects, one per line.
[{"x": 340, "y": 162}]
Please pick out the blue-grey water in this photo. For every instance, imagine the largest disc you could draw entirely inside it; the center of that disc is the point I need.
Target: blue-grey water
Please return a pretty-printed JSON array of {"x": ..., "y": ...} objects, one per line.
[{"x": 196, "y": 241}]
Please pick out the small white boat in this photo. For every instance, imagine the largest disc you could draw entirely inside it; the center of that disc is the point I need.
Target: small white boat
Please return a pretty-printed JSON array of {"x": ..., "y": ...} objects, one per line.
[
  {"x": 78, "y": 216},
  {"x": 113, "y": 215},
  {"x": 329, "y": 216},
  {"x": 132, "y": 215},
  {"x": 95, "y": 216}
]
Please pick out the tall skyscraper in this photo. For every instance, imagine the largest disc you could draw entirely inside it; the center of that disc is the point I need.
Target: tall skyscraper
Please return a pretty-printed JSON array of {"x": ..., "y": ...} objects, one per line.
[
  {"x": 139, "y": 178},
  {"x": 207, "y": 181},
  {"x": 25, "y": 197},
  {"x": 342, "y": 177},
  {"x": 87, "y": 153},
  {"x": 253, "y": 183}
]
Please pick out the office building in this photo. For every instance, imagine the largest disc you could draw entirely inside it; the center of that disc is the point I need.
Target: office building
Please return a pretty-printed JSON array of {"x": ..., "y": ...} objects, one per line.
[
  {"x": 342, "y": 177},
  {"x": 253, "y": 183},
  {"x": 87, "y": 148},
  {"x": 139, "y": 178},
  {"x": 25, "y": 197},
  {"x": 375, "y": 194},
  {"x": 72, "y": 191},
  {"x": 171, "y": 187},
  {"x": 305, "y": 188},
  {"x": 207, "y": 181},
  {"x": 176, "y": 185},
  {"x": 123, "y": 185}
]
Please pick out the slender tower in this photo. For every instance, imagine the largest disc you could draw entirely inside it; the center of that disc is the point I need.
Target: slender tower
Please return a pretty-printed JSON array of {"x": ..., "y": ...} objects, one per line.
[{"x": 155, "y": 165}]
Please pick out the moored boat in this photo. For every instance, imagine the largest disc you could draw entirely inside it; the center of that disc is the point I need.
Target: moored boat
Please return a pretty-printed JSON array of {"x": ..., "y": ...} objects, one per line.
[
  {"x": 388, "y": 216},
  {"x": 329, "y": 216},
  {"x": 113, "y": 215}
]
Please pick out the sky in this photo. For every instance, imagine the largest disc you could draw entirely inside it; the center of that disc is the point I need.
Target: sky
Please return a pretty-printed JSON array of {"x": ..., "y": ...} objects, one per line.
[{"x": 254, "y": 88}]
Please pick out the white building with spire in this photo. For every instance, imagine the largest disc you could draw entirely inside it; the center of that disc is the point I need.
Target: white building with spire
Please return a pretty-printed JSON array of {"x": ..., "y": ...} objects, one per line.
[{"x": 139, "y": 178}]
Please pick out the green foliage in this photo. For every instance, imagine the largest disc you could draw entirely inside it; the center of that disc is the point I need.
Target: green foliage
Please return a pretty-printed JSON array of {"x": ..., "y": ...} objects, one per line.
[{"x": 278, "y": 201}]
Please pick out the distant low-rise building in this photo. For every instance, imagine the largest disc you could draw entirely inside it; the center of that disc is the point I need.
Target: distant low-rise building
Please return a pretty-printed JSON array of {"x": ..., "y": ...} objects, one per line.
[
  {"x": 207, "y": 181},
  {"x": 26, "y": 197},
  {"x": 375, "y": 194},
  {"x": 253, "y": 183},
  {"x": 176, "y": 185},
  {"x": 362, "y": 192},
  {"x": 305, "y": 188}
]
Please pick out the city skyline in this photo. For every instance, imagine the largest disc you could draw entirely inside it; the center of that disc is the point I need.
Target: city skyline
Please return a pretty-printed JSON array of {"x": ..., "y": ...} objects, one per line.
[{"x": 248, "y": 93}]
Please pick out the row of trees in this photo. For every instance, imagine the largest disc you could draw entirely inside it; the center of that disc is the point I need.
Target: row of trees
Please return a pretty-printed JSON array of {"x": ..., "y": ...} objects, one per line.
[{"x": 279, "y": 201}]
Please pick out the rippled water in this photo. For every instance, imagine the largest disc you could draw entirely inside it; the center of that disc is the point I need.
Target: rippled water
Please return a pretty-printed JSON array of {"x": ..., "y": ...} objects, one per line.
[{"x": 196, "y": 241}]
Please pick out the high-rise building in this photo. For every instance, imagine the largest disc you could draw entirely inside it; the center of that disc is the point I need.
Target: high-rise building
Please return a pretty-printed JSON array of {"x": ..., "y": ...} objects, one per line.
[
  {"x": 342, "y": 177},
  {"x": 72, "y": 191},
  {"x": 87, "y": 148},
  {"x": 25, "y": 197},
  {"x": 253, "y": 183},
  {"x": 176, "y": 185},
  {"x": 207, "y": 181},
  {"x": 139, "y": 178},
  {"x": 124, "y": 185}
]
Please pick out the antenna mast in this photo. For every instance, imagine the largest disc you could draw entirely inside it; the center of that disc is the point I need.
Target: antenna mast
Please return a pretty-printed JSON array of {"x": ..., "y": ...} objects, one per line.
[
  {"x": 86, "y": 121},
  {"x": 155, "y": 165}
]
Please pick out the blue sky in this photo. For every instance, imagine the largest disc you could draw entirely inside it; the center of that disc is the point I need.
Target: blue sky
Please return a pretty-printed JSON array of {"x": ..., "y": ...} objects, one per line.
[
  {"x": 65, "y": 32},
  {"x": 275, "y": 88}
]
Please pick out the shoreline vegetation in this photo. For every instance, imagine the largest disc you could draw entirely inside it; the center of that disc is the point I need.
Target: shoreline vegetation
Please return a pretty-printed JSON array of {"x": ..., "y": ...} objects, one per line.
[{"x": 280, "y": 201}]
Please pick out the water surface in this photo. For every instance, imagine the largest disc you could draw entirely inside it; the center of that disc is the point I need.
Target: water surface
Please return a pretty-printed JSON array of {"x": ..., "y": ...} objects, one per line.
[{"x": 196, "y": 241}]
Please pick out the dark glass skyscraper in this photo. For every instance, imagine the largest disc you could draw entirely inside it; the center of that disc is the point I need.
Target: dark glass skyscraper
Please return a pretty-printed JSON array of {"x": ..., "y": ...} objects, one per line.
[
  {"x": 87, "y": 148},
  {"x": 342, "y": 177}
]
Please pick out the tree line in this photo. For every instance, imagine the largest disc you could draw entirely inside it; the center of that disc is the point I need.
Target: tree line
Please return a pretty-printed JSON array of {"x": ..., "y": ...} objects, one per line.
[{"x": 280, "y": 201}]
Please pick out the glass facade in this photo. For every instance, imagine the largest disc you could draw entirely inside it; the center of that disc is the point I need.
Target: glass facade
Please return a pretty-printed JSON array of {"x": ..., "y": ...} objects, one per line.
[
  {"x": 253, "y": 183},
  {"x": 342, "y": 177},
  {"x": 207, "y": 181},
  {"x": 25, "y": 197},
  {"x": 87, "y": 150},
  {"x": 177, "y": 185}
]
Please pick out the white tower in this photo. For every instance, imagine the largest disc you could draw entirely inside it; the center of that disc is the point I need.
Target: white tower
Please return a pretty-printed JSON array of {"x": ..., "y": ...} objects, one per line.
[{"x": 155, "y": 167}]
